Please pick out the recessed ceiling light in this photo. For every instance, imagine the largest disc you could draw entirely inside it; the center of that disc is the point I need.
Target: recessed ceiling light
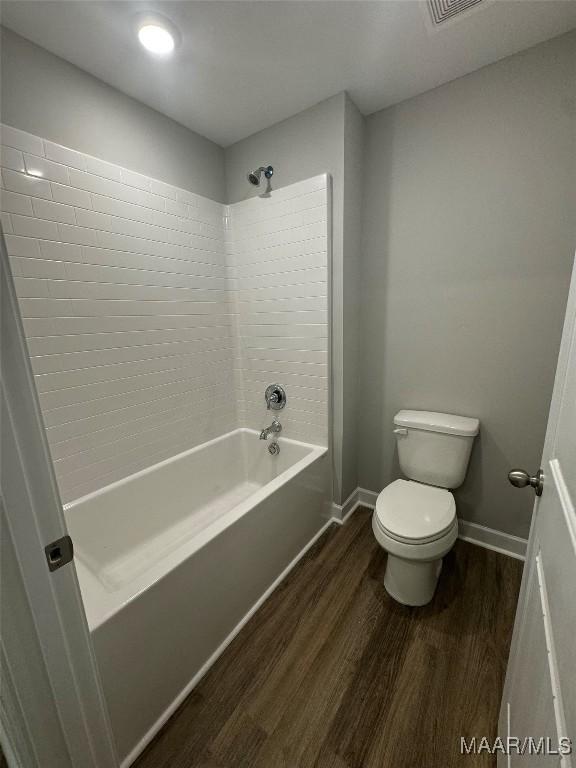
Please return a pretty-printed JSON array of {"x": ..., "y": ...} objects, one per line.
[{"x": 156, "y": 39}]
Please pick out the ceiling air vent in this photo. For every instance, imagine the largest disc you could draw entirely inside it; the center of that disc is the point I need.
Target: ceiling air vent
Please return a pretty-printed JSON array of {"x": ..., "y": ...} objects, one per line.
[{"x": 444, "y": 10}]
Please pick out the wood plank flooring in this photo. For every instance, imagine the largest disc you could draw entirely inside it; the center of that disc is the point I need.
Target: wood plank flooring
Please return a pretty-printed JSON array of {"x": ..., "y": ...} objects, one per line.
[{"x": 332, "y": 673}]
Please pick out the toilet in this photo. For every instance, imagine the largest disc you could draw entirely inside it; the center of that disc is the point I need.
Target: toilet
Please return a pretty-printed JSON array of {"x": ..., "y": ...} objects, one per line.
[{"x": 415, "y": 520}]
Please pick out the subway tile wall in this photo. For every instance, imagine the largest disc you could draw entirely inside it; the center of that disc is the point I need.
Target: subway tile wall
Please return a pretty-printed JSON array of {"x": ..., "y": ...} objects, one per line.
[
  {"x": 122, "y": 284},
  {"x": 142, "y": 302},
  {"x": 278, "y": 263}
]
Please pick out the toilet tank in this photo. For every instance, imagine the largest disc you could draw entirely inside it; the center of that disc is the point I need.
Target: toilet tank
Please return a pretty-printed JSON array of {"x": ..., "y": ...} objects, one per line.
[{"x": 434, "y": 448}]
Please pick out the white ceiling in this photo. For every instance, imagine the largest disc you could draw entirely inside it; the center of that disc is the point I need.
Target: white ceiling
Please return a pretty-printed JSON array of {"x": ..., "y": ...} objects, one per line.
[{"x": 243, "y": 66}]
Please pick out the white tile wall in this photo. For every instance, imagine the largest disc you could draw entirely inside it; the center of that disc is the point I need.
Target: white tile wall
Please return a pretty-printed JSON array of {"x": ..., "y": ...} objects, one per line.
[
  {"x": 123, "y": 289},
  {"x": 142, "y": 302},
  {"x": 277, "y": 253}
]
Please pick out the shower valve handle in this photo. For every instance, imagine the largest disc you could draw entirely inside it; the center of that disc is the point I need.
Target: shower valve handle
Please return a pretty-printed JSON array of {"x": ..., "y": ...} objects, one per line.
[{"x": 275, "y": 397}]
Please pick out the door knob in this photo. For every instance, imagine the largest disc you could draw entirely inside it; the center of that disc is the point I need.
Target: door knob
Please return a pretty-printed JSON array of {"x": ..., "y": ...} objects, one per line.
[{"x": 520, "y": 479}]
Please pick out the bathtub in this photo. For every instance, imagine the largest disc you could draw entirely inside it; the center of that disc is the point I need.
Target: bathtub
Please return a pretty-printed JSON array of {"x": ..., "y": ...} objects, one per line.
[{"x": 173, "y": 561}]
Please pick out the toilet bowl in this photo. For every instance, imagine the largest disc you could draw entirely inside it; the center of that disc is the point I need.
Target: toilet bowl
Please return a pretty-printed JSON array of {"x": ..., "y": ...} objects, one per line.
[
  {"x": 416, "y": 524},
  {"x": 415, "y": 520}
]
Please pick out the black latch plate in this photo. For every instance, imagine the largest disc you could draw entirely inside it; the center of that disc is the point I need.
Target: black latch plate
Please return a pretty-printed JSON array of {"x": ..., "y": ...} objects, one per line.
[{"x": 59, "y": 552}]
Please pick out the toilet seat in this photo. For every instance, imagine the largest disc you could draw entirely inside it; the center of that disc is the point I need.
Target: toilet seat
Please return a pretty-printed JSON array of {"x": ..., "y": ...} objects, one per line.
[
  {"x": 415, "y": 551},
  {"x": 414, "y": 513}
]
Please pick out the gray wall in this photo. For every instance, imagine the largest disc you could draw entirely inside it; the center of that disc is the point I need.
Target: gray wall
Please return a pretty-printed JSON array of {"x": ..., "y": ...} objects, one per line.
[
  {"x": 49, "y": 97},
  {"x": 326, "y": 138},
  {"x": 469, "y": 236},
  {"x": 354, "y": 144},
  {"x": 304, "y": 145}
]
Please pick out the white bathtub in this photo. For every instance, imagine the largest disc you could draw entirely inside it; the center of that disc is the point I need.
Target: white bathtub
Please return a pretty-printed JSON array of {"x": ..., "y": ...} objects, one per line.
[{"x": 173, "y": 560}]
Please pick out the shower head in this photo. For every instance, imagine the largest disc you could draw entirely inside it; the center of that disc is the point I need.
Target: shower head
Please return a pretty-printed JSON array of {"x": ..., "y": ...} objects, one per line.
[{"x": 255, "y": 176}]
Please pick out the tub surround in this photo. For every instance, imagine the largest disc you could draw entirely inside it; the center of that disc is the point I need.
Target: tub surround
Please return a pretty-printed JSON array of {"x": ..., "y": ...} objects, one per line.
[
  {"x": 277, "y": 256},
  {"x": 122, "y": 286},
  {"x": 142, "y": 311},
  {"x": 328, "y": 137}
]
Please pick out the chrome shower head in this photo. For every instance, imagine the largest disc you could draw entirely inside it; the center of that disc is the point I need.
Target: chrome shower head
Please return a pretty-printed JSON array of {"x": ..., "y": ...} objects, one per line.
[{"x": 255, "y": 176}]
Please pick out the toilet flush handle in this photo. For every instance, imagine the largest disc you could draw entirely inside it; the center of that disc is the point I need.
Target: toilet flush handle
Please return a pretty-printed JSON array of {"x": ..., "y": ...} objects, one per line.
[{"x": 400, "y": 431}]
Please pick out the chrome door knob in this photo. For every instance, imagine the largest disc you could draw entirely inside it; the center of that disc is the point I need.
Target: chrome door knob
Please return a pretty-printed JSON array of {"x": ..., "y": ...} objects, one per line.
[{"x": 519, "y": 478}]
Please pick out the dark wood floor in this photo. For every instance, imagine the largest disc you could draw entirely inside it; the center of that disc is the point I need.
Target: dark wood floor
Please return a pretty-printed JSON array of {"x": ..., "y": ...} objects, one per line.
[{"x": 332, "y": 673}]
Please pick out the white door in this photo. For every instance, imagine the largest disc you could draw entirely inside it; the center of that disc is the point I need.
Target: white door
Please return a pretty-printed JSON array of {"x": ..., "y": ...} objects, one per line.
[
  {"x": 52, "y": 713},
  {"x": 539, "y": 698}
]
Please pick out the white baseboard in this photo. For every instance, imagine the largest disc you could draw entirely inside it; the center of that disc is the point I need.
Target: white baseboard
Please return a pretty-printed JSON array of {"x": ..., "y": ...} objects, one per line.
[
  {"x": 341, "y": 512},
  {"x": 167, "y": 714},
  {"x": 367, "y": 498},
  {"x": 358, "y": 498},
  {"x": 498, "y": 541},
  {"x": 489, "y": 538}
]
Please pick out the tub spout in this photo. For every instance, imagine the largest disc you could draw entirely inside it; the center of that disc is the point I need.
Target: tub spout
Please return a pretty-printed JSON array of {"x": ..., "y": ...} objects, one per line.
[{"x": 274, "y": 428}]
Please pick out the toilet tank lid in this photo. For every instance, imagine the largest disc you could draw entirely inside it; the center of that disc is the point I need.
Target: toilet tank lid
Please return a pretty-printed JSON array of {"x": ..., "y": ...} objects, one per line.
[{"x": 438, "y": 422}]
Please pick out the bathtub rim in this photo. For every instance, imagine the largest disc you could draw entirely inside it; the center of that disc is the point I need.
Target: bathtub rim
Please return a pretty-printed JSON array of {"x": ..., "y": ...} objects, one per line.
[
  {"x": 210, "y": 532},
  {"x": 171, "y": 459}
]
